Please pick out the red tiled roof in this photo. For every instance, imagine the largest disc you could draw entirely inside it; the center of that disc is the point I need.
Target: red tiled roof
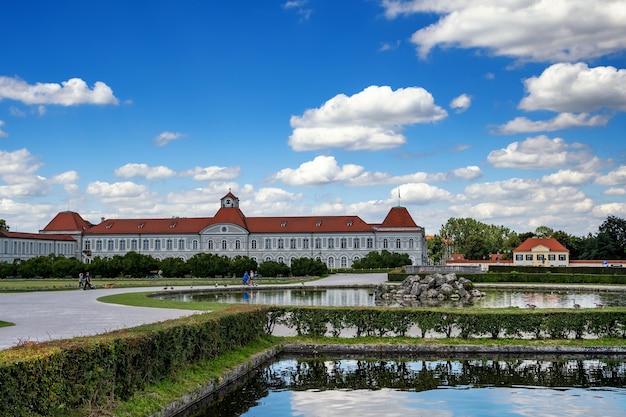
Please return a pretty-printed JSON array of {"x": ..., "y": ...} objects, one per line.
[
  {"x": 551, "y": 243},
  {"x": 230, "y": 215},
  {"x": 172, "y": 225},
  {"x": 67, "y": 221},
  {"x": 308, "y": 224},
  {"x": 21, "y": 235},
  {"x": 398, "y": 217}
]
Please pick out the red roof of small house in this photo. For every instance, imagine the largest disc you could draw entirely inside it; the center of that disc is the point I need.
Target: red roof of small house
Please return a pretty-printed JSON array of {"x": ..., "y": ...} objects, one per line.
[
  {"x": 532, "y": 242},
  {"x": 22, "y": 235},
  {"x": 67, "y": 221}
]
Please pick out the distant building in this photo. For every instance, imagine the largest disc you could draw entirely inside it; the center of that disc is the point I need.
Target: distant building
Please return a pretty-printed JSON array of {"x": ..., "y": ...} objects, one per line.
[
  {"x": 337, "y": 241},
  {"x": 536, "y": 251},
  {"x": 21, "y": 246}
]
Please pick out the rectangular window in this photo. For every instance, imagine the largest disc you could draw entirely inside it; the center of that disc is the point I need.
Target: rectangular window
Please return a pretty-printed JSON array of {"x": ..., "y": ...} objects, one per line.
[
  {"x": 331, "y": 243},
  {"x": 343, "y": 243},
  {"x": 181, "y": 244},
  {"x": 133, "y": 244},
  {"x": 145, "y": 245},
  {"x": 305, "y": 243},
  {"x": 370, "y": 243},
  {"x": 110, "y": 245},
  {"x": 123, "y": 245},
  {"x": 268, "y": 243},
  {"x": 318, "y": 243},
  {"x": 157, "y": 244},
  {"x": 281, "y": 244},
  {"x": 357, "y": 243},
  {"x": 168, "y": 244},
  {"x": 98, "y": 245},
  {"x": 519, "y": 257},
  {"x": 529, "y": 257},
  {"x": 292, "y": 243},
  {"x": 562, "y": 257},
  {"x": 552, "y": 257}
]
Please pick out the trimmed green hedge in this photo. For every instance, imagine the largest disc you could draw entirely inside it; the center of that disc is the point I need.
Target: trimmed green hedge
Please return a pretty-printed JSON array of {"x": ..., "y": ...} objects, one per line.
[
  {"x": 46, "y": 379},
  {"x": 541, "y": 278},
  {"x": 574, "y": 270},
  {"x": 495, "y": 323}
]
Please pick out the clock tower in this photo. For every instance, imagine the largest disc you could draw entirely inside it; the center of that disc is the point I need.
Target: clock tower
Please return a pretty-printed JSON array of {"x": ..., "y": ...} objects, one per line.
[{"x": 229, "y": 201}]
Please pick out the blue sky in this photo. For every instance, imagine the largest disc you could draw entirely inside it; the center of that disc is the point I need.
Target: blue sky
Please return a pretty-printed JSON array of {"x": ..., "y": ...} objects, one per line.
[{"x": 508, "y": 112}]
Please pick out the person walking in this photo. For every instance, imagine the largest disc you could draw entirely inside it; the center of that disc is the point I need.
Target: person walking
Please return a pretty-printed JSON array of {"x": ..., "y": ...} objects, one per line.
[
  {"x": 81, "y": 281},
  {"x": 246, "y": 278}
]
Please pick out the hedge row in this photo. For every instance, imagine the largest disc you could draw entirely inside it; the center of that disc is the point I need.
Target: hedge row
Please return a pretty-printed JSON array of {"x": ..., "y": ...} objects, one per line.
[
  {"x": 588, "y": 270},
  {"x": 92, "y": 371},
  {"x": 555, "y": 324}
]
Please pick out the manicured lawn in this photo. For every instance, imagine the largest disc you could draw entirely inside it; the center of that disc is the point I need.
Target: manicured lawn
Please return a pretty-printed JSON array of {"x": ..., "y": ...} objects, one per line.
[{"x": 141, "y": 299}]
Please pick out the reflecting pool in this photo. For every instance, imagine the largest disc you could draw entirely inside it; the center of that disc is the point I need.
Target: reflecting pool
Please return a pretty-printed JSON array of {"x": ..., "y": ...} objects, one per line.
[
  {"x": 362, "y": 297},
  {"x": 426, "y": 387}
]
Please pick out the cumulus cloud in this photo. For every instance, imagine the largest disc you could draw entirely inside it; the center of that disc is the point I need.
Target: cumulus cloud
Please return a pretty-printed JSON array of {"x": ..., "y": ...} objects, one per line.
[
  {"x": 72, "y": 92},
  {"x": 533, "y": 30},
  {"x": 539, "y": 152},
  {"x": 615, "y": 191},
  {"x": 117, "y": 191},
  {"x": 369, "y": 120},
  {"x": 319, "y": 171},
  {"x": 143, "y": 170},
  {"x": 166, "y": 137},
  {"x": 567, "y": 87},
  {"x": 213, "y": 173},
  {"x": 615, "y": 177},
  {"x": 471, "y": 172},
  {"x": 19, "y": 162},
  {"x": 421, "y": 193},
  {"x": 568, "y": 177},
  {"x": 461, "y": 103},
  {"x": 561, "y": 121},
  {"x": 610, "y": 209}
]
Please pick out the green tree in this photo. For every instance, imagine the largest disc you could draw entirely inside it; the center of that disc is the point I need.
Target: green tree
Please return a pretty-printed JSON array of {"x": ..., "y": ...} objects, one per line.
[
  {"x": 174, "y": 267},
  {"x": 436, "y": 249},
  {"x": 308, "y": 266},
  {"x": 475, "y": 239},
  {"x": 612, "y": 238},
  {"x": 274, "y": 269},
  {"x": 241, "y": 264},
  {"x": 3, "y": 226}
]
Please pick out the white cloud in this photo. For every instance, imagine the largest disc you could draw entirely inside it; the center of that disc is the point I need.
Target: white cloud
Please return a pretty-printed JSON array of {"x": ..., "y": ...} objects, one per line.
[
  {"x": 119, "y": 192},
  {"x": 319, "y": 171},
  {"x": 420, "y": 193},
  {"x": 539, "y": 152},
  {"x": 19, "y": 162},
  {"x": 143, "y": 170},
  {"x": 68, "y": 177},
  {"x": 534, "y": 30},
  {"x": 567, "y": 87},
  {"x": 369, "y": 120},
  {"x": 615, "y": 177},
  {"x": 461, "y": 103},
  {"x": 561, "y": 121},
  {"x": 69, "y": 93},
  {"x": 468, "y": 173},
  {"x": 3, "y": 134},
  {"x": 610, "y": 209},
  {"x": 166, "y": 137},
  {"x": 213, "y": 173},
  {"x": 568, "y": 177},
  {"x": 615, "y": 191}
]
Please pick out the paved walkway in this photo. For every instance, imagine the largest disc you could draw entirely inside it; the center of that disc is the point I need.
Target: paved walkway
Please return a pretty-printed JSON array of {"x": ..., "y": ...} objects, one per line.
[{"x": 51, "y": 315}]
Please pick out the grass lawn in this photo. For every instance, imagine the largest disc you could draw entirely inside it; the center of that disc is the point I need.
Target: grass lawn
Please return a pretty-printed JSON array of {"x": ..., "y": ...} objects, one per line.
[{"x": 141, "y": 299}]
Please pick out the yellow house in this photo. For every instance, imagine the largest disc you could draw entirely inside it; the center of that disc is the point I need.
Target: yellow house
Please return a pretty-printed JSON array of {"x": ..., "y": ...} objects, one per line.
[{"x": 541, "y": 252}]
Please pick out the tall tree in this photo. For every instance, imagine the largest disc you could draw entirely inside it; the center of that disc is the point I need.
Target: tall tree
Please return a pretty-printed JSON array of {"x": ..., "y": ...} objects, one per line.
[
  {"x": 475, "y": 239},
  {"x": 3, "y": 226},
  {"x": 612, "y": 238}
]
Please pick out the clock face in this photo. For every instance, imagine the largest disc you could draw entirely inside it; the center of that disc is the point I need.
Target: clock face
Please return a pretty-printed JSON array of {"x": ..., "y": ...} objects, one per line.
[{"x": 228, "y": 202}]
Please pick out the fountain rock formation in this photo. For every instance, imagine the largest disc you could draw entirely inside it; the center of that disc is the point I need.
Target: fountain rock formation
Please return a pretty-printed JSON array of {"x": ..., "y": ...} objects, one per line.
[{"x": 431, "y": 287}]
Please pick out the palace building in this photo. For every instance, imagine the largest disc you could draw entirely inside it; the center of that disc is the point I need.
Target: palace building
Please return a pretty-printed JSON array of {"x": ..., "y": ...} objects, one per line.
[{"x": 337, "y": 241}]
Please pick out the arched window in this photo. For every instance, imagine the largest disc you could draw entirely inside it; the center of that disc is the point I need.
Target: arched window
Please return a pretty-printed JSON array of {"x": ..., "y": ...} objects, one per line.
[
  {"x": 194, "y": 244},
  {"x": 344, "y": 261},
  {"x": 224, "y": 244},
  {"x": 331, "y": 262},
  {"x": 209, "y": 244},
  {"x": 398, "y": 243},
  {"x": 237, "y": 244},
  {"x": 385, "y": 244},
  {"x": 411, "y": 243},
  {"x": 253, "y": 244}
]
